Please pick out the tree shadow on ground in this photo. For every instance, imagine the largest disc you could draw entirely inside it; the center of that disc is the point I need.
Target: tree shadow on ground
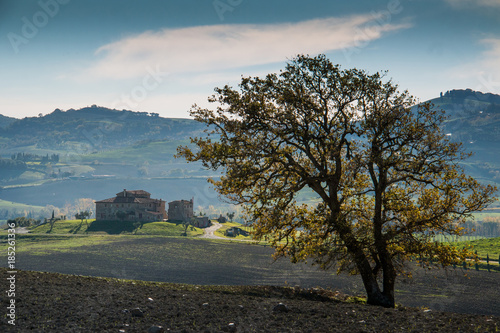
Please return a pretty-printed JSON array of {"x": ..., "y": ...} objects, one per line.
[
  {"x": 112, "y": 227},
  {"x": 76, "y": 229}
]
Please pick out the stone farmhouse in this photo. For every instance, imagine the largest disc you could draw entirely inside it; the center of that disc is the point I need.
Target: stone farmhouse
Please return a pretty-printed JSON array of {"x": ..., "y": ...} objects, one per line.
[
  {"x": 131, "y": 206},
  {"x": 182, "y": 210},
  {"x": 138, "y": 206}
]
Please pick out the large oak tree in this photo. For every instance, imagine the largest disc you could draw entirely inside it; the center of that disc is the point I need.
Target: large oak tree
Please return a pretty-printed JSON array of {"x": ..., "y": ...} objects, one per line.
[{"x": 386, "y": 178}]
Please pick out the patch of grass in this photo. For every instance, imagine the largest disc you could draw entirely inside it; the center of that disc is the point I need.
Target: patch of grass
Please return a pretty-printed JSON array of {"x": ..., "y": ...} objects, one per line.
[
  {"x": 490, "y": 246},
  {"x": 356, "y": 299},
  {"x": 62, "y": 227},
  {"x": 31, "y": 176},
  {"x": 43, "y": 244},
  {"x": 166, "y": 229}
]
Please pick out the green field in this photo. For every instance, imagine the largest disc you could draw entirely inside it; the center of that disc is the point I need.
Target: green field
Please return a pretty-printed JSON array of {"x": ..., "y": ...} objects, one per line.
[
  {"x": 484, "y": 246},
  {"x": 141, "y": 151}
]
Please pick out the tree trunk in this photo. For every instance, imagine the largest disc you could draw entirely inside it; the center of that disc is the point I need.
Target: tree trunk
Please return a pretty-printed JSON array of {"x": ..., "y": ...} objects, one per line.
[
  {"x": 389, "y": 277},
  {"x": 375, "y": 296},
  {"x": 380, "y": 299}
]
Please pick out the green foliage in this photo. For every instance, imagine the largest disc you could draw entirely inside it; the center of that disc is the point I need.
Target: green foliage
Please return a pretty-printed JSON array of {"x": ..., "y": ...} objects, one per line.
[
  {"x": 83, "y": 215},
  {"x": 27, "y": 157},
  {"x": 230, "y": 216},
  {"x": 386, "y": 175},
  {"x": 11, "y": 169}
]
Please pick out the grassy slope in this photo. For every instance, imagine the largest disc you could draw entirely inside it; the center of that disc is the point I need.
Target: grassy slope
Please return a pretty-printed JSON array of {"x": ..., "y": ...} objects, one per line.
[
  {"x": 63, "y": 227},
  {"x": 114, "y": 227},
  {"x": 4, "y": 204},
  {"x": 166, "y": 229}
]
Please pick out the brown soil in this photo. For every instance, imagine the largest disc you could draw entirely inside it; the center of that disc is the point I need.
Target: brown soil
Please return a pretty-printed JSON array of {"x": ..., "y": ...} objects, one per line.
[{"x": 51, "y": 302}]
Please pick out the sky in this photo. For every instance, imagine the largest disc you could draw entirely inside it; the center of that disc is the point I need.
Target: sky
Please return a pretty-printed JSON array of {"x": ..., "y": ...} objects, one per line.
[{"x": 163, "y": 56}]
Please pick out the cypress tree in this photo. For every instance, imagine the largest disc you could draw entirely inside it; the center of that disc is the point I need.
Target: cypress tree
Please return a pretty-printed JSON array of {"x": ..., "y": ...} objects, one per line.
[{"x": 477, "y": 264}]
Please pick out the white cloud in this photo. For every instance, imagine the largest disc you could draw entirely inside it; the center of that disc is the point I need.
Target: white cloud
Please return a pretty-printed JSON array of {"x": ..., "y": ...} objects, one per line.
[
  {"x": 220, "y": 47},
  {"x": 482, "y": 3}
]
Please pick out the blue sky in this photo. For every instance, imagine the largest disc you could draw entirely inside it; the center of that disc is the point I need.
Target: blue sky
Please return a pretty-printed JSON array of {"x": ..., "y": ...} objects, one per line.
[{"x": 164, "y": 56}]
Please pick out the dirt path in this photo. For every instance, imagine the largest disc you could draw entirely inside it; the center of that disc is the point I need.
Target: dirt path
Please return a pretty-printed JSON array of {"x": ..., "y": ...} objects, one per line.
[{"x": 210, "y": 231}]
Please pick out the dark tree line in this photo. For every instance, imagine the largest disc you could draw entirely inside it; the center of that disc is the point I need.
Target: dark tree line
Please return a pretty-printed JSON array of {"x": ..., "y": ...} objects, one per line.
[
  {"x": 24, "y": 221},
  {"x": 27, "y": 157}
]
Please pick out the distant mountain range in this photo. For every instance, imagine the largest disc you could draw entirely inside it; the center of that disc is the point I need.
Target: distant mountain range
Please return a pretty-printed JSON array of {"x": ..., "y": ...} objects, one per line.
[{"x": 95, "y": 152}]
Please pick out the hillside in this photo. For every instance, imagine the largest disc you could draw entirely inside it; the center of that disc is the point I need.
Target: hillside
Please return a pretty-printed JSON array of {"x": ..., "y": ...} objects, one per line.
[
  {"x": 95, "y": 127},
  {"x": 474, "y": 120},
  {"x": 474, "y": 117},
  {"x": 6, "y": 121}
]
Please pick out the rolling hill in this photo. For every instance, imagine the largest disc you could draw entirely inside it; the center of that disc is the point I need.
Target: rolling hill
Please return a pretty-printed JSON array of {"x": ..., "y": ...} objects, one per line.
[
  {"x": 94, "y": 152},
  {"x": 6, "y": 121},
  {"x": 95, "y": 128}
]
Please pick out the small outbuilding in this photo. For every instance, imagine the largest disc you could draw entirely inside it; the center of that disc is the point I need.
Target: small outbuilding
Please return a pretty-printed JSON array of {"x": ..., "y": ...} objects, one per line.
[{"x": 180, "y": 210}]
